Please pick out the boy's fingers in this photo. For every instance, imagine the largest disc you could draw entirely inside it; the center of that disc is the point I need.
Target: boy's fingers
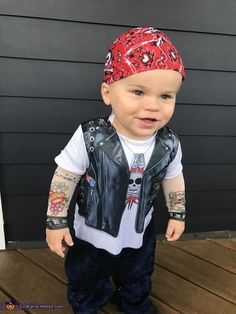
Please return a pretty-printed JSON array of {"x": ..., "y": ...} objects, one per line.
[
  {"x": 168, "y": 235},
  {"x": 169, "y": 232},
  {"x": 175, "y": 236},
  {"x": 169, "y": 238},
  {"x": 61, "y": 254},
  {"x": 68, "y": 239},
  {"x": 174, "y": 230},
  {"x": 59, "y": 250},
  {"x": 57, "y": 241}
]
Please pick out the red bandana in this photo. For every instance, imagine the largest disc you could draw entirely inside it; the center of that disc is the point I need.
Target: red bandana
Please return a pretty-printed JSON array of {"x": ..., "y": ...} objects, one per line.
[{"x": 141, "y": 49}]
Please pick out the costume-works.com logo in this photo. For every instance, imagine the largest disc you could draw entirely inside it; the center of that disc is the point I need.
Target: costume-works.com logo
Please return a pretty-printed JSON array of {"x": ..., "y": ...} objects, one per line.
[{"x": 10, "y": 306}]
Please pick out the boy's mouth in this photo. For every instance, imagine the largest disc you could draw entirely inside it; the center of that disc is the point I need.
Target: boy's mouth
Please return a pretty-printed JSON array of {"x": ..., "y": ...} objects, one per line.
[{"x": 148, "y": 120}]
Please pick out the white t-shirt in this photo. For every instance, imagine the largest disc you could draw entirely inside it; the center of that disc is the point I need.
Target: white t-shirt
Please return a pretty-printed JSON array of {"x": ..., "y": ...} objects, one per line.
[{"x": 74, "y": 158}]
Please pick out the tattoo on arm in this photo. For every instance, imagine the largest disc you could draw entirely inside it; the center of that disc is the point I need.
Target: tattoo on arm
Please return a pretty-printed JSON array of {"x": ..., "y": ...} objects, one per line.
[
  {"x": 177, "y": 202},
  {"x": 61, "y": 191},
  {"x": 66, "y": 176},
  {"x": 58, "y": 199}
]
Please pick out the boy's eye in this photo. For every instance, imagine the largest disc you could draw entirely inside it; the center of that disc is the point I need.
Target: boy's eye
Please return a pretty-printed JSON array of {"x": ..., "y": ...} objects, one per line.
[
  {"x": 138, "y": 92},
  {"x": 165, "y": 97}
]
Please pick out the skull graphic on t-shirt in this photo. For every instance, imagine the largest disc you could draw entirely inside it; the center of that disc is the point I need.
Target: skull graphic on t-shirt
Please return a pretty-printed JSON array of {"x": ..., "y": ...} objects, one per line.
[{"x": 135, "y": 180}]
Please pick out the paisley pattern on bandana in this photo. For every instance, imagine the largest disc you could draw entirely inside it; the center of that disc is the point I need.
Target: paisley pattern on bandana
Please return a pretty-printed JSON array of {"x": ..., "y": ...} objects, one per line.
[{"x": 138, "y": 50}]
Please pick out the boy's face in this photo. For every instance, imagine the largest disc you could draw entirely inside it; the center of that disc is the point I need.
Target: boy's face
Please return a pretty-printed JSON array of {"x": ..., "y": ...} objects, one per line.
[{"x": 142, "y": 103}]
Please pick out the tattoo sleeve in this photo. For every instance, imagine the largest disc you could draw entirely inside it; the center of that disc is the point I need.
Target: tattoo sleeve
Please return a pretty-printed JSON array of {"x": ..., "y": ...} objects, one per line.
[
  {"x": 176, "y": 202},
  {"x": 61, "y": 191},
  {"x": 177, "y": 206},
  {"x": 175, "y": 197}
]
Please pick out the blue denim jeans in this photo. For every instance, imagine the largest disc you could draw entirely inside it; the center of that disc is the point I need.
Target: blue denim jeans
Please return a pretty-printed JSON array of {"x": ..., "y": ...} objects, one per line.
[{"x": 89, "y": 271}]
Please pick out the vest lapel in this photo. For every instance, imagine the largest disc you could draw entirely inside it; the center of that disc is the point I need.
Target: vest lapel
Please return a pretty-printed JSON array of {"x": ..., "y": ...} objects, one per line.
[
  {"x": 111, "y": 145},
  {"x": 159, "y": 152}
]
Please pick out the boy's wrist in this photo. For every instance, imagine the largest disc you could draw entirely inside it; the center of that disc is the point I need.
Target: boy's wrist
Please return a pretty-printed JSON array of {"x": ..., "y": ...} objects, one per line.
[
  {"x": 54, "y": 223},
  {"x": 180, "y": 216}
]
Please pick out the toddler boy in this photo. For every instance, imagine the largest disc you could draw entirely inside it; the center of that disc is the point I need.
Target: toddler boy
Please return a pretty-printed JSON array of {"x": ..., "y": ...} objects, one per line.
[{"x": 119, "y": 164}]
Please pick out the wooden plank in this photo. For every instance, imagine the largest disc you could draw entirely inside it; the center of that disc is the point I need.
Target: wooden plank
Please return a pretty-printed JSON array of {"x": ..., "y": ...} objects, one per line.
[
  {"x": 199, "y": 117},
  {"x": 39, "y": 113},
  {"x": 40, "y": 78},
  {"x": 3, "y": 296},
  {"x": 55, "y": 79},
  {"x": 209, "y": 146},
  {"x": 229, "y": 242},
  {"x": 28, "y": 283},
  {"x": 47, "y": 260},
  {"x": 209, "y": 222},
  {"x": 197, "y": 271},
  {"x": 30, "y": 231},
  {"x": 203, "y": 16},
  {"x": 46, "y": 146},
  {"x": 199, "y": 46},
  {"x": 218, "y": 176},
  {"x": 25, "y": 209},
  {"x": 186, "y": 297},
  {"x": 211, "y": 252},
  {"x": 212, "y": 202},
  {"x": 163, "y": 308},
  {"x": 56, "y": 41},
  {"x": 194, "y": 85},
  {"x": 43, "y": 173}
]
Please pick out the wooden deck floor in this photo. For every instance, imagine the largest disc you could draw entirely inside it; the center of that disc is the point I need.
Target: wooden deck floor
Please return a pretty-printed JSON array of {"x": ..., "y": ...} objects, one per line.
[{"x": 195, "y": 276}]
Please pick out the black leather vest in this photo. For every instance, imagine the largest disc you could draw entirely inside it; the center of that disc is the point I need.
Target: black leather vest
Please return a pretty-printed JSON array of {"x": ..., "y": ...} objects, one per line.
[{"x": 103, "y": 189}]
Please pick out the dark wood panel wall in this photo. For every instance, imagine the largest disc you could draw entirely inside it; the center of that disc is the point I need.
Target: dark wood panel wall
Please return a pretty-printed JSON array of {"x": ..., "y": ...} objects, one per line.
[{"x": 51, "y": 61}]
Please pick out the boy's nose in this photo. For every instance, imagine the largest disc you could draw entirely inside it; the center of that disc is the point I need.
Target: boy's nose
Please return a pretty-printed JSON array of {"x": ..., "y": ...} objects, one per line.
[{"x": 152, "y": 105}]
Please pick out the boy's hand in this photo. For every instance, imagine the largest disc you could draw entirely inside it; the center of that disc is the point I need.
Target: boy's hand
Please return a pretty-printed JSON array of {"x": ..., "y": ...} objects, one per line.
[
  {"x": 54, "y": 240},
  {"x": 174, "y": 229}
]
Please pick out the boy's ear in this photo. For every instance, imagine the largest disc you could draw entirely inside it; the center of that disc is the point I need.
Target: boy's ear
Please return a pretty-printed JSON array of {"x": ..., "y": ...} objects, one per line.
[{"x": 105, "y": 91}]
